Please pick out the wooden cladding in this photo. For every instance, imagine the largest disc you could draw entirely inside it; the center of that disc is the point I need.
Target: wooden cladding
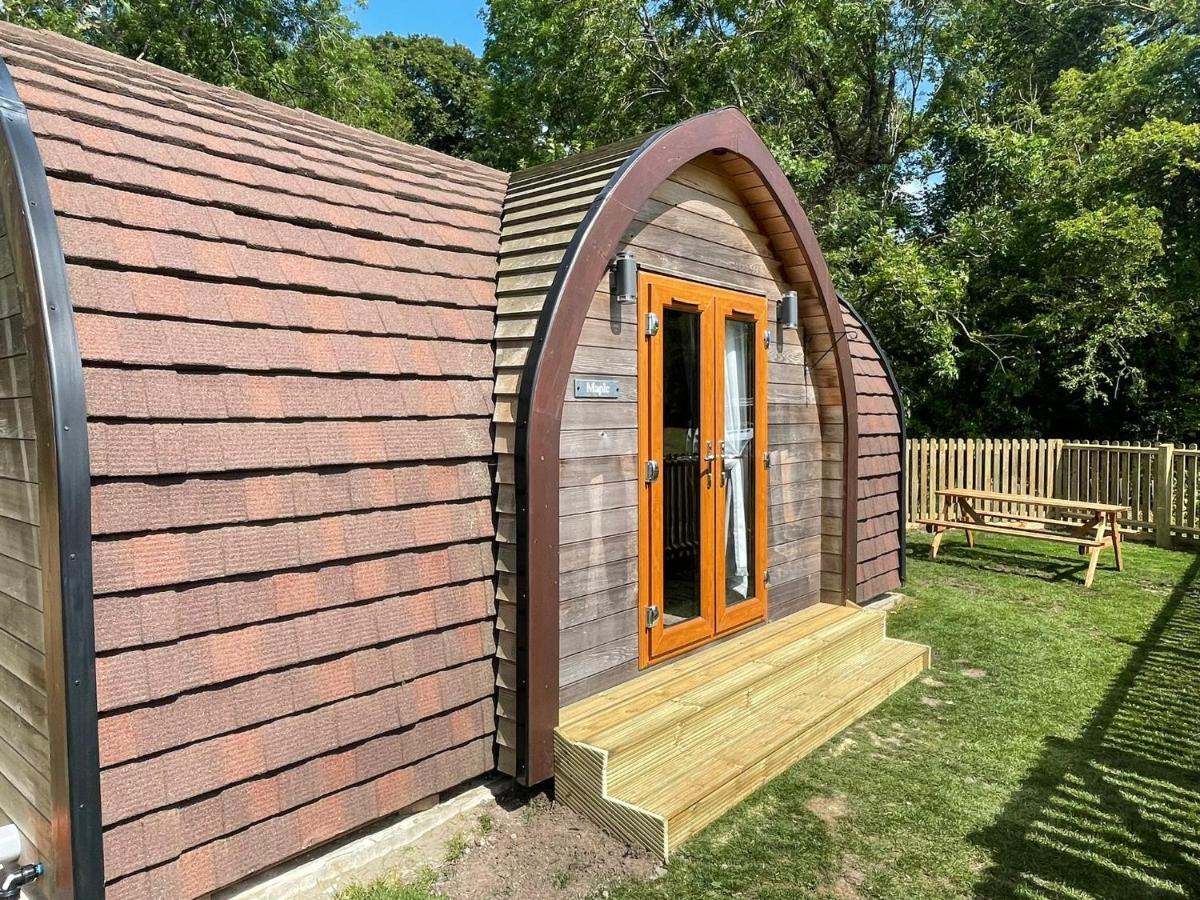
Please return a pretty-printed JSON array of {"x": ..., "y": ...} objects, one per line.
[
  {"x": 562, "y": 226},
  {"x": 881, "y": 497},
  {"x": 25, "y": 754}
]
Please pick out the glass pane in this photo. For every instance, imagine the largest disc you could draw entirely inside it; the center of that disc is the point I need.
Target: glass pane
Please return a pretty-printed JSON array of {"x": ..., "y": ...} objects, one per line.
[
  {"x": 681, "y": 466},
  {"x": 740, "y": 453}
]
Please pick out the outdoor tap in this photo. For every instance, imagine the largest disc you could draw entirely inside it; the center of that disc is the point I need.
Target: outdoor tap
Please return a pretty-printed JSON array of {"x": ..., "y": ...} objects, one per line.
[{"x": 14, "y": 880}]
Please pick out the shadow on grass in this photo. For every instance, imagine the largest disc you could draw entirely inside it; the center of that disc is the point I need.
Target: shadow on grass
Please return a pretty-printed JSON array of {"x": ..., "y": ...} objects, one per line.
[
  {"x": 1052, "y": 566},
  {"x": 1116, "y": 813}
]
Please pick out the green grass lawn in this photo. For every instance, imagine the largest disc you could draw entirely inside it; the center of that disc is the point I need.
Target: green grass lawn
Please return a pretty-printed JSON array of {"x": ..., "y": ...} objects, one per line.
[{"x": 1053, "y": 750}]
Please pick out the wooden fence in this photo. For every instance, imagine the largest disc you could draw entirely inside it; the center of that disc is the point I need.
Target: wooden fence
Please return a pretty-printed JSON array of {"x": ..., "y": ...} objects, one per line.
[{"x": 1160, "y": 483}]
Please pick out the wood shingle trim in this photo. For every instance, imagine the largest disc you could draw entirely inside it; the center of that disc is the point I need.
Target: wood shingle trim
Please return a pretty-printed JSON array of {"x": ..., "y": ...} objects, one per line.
[
  {"x": 167, "y": 297},
  {"x": 160, "y": 616},
  {"x": 237, "y": 855},
  {"x": 165, "y": 448},
  {"x": 880, "y": 530},
  {"x": 205, "y": 117},
  {"x": 286, "y": 331},
  {"x": 243, "y": 191},
  {"x": 149, "y": 212},
  {"x": 170, "y": 395},
  {"x": 157, "y": 837},
  {"x": 141, "y": 787},
  {"x": 134, "y": 676},
  {"x": 145, "y": 731},
  {"x": 136, "y": 506}
]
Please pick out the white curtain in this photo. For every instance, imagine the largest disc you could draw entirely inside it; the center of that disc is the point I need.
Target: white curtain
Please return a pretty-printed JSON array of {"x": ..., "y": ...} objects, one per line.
[{"x": 739, "y": 438}]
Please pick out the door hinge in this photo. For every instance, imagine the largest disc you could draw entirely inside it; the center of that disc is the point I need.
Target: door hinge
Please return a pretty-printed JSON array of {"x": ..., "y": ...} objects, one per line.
[
  {"x": 651, "y": 471},
  {"x": 767, "y": 458},
  {"x": 767, "y": 338},
  {"x": 651, "y": 324},
  {"x": 652, "y": 615}
]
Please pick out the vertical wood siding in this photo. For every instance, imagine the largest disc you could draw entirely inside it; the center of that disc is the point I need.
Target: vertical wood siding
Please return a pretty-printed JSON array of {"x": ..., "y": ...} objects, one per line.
[
  {"x": 25, "y": 792},
  {"x": 286, "y": 332},
  {"x": 1159, "y": 482}
]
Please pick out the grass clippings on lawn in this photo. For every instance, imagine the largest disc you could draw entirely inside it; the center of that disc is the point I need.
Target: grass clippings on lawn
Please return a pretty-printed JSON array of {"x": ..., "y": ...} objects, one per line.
[{"x": 1053, "y": 750}]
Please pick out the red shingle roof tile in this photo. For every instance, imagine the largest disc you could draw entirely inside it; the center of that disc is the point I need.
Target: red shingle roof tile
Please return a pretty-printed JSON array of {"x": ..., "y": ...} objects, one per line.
[{"x": 286, "y": 326}]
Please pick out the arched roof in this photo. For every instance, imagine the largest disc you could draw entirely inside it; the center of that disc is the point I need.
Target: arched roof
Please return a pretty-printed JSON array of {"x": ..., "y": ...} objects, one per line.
[
  {"x": 602, "y": 191},
  {"x": 279, "y": 421}
]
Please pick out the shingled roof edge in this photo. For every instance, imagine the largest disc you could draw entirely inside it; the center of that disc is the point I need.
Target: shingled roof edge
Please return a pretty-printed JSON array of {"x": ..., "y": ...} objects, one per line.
[{"x": 65, "y": 499}]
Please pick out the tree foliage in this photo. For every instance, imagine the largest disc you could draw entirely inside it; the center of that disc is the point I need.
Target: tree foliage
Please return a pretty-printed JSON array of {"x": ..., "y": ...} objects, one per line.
[
  {"x": 1009, "y": 191},
  {"x": 303, "y": 53}
]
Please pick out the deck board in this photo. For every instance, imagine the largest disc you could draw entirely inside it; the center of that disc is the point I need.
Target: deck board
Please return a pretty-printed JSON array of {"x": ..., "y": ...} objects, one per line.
[{"x": 656, "y": 759}]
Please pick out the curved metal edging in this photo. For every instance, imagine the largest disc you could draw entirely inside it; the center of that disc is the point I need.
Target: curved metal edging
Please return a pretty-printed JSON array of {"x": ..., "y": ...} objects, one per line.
[
  {"x": 543, "y": 384},
  {"x": 903, "y": 416},
  {"x": 64, "y": 476}
]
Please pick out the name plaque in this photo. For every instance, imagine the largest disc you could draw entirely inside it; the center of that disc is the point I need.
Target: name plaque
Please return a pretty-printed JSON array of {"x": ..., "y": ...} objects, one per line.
[{"x": 597, "y": 389}]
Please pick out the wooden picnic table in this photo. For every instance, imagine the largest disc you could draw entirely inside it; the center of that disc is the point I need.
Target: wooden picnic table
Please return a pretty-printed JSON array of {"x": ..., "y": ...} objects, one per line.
[{"x": 1099, "y": 524}]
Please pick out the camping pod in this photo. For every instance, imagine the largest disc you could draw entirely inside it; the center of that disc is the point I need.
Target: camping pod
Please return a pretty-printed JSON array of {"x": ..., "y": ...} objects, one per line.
[{"x": 335, "y": 472}]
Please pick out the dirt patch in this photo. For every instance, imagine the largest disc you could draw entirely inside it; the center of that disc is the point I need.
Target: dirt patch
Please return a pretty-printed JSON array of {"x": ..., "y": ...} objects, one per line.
[
  {"x": 850, "y": 879},
  {"x": 932, "y": 701},
  {"x": 975, "y": 673},
  {"x": 829, "y": 809},
  {"x": 932, "y": 682},
  {"x": 531, "y": 848},
  {"x": 890, "y": 742},
  {"x": 842, "y": 746}
]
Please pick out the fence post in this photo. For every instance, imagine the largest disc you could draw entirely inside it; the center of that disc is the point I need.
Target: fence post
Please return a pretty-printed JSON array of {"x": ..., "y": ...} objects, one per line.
[{"x": 1163, "y": 477}]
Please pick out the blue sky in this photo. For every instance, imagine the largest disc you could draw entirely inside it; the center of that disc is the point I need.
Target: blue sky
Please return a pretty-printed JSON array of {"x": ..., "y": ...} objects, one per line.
[{"x": 454, "y": 20}]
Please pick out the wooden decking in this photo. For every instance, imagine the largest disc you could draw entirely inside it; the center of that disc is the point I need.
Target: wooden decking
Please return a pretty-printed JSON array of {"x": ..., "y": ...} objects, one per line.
[{"x": 656, "y": 759}]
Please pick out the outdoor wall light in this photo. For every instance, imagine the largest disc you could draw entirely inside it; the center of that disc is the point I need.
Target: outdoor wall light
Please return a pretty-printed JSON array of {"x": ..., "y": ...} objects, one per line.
[
  {"x": 789, "y": 310},
  {"x": 625, "y": 278}
]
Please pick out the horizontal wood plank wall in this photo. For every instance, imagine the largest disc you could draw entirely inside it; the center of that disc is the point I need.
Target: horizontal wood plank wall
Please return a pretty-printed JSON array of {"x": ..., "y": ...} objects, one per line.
[
  {"x": 25, "y": 793},
  {"x": 812, "y": 383},
  {"x": 879, "y": 466},
  {"x": 542, "y": 211},
  {"x": 286, "y": 328},
  {"x": 697, "y": 226}
]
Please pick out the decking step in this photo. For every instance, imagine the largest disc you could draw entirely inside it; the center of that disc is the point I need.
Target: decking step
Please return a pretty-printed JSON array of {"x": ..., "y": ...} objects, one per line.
[{"x": 715, "y": 730}]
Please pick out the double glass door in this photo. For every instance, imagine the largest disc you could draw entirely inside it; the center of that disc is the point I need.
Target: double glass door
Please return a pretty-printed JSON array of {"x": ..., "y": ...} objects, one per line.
[{"x": 702, "y": 437}]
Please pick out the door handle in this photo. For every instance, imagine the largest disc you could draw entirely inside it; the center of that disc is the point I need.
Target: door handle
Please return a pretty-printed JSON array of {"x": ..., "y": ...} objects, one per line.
[{"x": 708, "y": 461}]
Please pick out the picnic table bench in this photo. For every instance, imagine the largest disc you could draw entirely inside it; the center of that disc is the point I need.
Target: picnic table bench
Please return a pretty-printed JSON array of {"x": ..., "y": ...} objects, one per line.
[{"x": 1098, "y": 524}]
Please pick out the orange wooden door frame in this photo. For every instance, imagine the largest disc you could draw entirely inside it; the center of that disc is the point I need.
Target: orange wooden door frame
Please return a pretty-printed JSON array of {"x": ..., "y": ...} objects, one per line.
[
  {"x": 659, "y": 641},
  {"x": 753, "y": 310},
  {"x": 713, "y": 306}
]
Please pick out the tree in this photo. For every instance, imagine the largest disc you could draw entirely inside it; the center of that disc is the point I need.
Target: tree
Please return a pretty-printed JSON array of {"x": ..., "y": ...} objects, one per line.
[
  {"x": 1007, "y": 191},
  {"x": 835, "y": 85},
  {"x": 439, "y": 89},
  {"x": 1070, "y": 202},
  {"x": 302, "y": 53}
]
